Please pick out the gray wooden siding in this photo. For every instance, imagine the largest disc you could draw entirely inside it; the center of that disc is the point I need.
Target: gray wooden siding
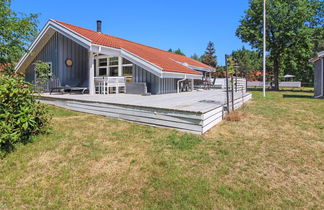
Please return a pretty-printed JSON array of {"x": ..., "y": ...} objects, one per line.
[
  {"x": 155, "y": 85},
  {"x": 48, "y": 54},
  {"x": 57, "y": 50},
  {"x": 318, "y": 78}
]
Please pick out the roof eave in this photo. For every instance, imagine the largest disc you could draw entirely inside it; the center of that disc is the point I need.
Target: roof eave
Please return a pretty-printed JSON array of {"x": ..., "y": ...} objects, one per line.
[{"x": 320, "y": 55}]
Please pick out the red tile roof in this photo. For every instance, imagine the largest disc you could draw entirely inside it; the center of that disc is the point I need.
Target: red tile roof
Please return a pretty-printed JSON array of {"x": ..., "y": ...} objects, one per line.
[{"x": 164, "y": 59}]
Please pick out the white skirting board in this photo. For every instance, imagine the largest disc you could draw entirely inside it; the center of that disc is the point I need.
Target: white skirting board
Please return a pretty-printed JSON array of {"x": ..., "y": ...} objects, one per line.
[{"x": 189, "y": 121}]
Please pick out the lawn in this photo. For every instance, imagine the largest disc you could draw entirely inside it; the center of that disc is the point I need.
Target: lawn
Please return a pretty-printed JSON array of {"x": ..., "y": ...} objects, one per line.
[{"x": 272, "y": 158}]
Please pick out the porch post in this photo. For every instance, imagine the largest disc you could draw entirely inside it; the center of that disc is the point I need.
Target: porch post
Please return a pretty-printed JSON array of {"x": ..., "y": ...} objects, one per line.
[
  {"x": 120, "y": 68},
  {"x": 91, "y": 74},
  {"x": 192, "y": 85}
]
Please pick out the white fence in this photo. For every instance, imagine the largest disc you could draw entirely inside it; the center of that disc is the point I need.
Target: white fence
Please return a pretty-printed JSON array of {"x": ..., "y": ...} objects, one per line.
[
  {"x": 281, "y": 84},
  {"x": 239, "y": 83}
]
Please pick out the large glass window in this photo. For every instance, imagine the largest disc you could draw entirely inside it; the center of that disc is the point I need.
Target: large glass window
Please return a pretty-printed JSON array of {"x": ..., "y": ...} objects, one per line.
[
  {"x": 113, "y": 71},
  {"x": 102, "y": 72},
  {"x": 113, "y": 61},
  {"x": 108, "y": 66},
  {"x": 127, "y": 71},
  {"x": 103, "y": 62},
  {"x": 125, "y": 61}
]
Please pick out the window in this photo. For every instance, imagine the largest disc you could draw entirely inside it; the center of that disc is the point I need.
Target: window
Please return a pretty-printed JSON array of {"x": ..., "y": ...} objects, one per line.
[
  {"x": 113, "y": 71},
  {"x": 102, "y": 72},
  {"x": 51, "y": 70},
  {"x": 108, "y": 66},
  {"x": 125, "y": 61},
  {"x": 127, "y": 71},
  {"x": 103, "y": 62},
  {"x": 95, "y": 68},
  {"x": 113, "y": 61}
]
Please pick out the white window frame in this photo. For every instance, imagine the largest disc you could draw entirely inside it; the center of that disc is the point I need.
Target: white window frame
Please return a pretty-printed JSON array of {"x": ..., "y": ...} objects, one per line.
[{"x": 108, "y": 66}]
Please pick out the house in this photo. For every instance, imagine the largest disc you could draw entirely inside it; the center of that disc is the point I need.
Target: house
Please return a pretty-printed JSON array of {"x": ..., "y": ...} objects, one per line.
[
  {"x": 318, "y": 75},
  {"x": 77, "y": 56}
]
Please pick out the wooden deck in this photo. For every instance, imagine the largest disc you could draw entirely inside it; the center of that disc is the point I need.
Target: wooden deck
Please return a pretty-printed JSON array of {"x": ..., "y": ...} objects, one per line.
[{"x": 194, "y": 112}]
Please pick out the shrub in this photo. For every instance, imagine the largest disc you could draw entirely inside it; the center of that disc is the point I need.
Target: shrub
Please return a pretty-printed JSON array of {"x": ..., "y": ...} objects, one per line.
[
  {"x": 21, "y": 116},
  {"x": 43, "y": 72}
]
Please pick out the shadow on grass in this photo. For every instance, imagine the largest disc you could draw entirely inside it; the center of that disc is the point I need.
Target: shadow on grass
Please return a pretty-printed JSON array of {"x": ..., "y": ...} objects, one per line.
[{"x": 297, "y": 96}]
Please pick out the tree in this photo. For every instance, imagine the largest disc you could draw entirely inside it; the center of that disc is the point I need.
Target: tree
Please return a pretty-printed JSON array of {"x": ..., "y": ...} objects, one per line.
[
  {"x": 317, "y": 24},
  {"x": 220, "y": 72},
  {"x": 209, "y": 57},
  {"x": 43, "y": 74},
  {"x": 290, "y": 31},
  {"x": 17, "y": 31},
  {"x": 249, "y": 61},
  {"x": 178, "y": 51},
  {"x": 196, "y": 57}
]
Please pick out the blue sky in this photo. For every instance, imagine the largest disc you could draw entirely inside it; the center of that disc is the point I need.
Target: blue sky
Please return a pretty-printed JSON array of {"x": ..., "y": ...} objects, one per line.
[{"x": 184, "y": 24}]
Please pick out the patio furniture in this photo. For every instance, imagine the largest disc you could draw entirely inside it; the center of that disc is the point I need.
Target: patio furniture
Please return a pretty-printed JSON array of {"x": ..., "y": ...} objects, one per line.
[
  {"x": 121, "y": 84},
  {"x": 82, "y": 90},
  {"x": 60, "y": 89},
  {"x": 99, "y": 85},
  {"x": 107, "y": 85},
  {"x": 55, "y": 85}
]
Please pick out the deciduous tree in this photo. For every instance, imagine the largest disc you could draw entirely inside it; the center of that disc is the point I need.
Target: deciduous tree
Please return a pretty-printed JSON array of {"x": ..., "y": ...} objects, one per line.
[
  {"x": 249, "y": 61},
  {"x": 17, "y": 31},
  {"x": 290, "y": 31}
]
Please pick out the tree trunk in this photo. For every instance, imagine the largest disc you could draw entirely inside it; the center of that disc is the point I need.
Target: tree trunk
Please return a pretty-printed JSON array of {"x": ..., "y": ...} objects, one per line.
[{"x": 276, "y": 72}]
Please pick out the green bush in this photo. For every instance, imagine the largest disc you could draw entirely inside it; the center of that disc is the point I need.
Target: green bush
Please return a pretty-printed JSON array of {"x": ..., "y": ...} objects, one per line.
[{"x": 21, "y": 116}]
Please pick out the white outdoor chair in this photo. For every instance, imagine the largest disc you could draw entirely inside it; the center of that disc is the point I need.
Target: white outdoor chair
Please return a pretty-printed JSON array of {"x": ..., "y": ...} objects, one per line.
[
  {"x": 99, "y": 86},
  {"x": 121, "y": 84},
  {"x": 111, "y": 84}
]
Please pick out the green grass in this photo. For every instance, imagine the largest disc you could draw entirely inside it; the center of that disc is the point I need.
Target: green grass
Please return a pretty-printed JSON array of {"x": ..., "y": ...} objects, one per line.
[{"x": 273, "y": 158}]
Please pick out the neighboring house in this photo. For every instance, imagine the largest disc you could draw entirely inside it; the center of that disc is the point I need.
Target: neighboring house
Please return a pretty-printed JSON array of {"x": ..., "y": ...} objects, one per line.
[
  {"x": 318, "y": 75},
  {"x": 77, "y": 56}
]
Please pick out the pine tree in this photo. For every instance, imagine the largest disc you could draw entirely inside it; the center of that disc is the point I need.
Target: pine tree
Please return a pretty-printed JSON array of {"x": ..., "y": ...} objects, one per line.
[
  {"x": 195, "y": 57},
  {"x": 179, "y": 52},
  {"x": 209, "y": 57}
]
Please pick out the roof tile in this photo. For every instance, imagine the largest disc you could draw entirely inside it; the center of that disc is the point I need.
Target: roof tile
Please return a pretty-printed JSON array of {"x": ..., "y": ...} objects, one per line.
[{"x": 166, "y": 60}]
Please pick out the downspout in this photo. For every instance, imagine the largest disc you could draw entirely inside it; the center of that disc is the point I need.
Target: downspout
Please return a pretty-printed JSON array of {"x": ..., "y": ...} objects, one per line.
[{"x": 178, "y": 83}]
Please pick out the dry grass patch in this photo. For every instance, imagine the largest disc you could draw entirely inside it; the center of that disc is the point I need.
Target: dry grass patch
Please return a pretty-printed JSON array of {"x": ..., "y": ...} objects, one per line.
[{"x": 234, "y": 116}]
